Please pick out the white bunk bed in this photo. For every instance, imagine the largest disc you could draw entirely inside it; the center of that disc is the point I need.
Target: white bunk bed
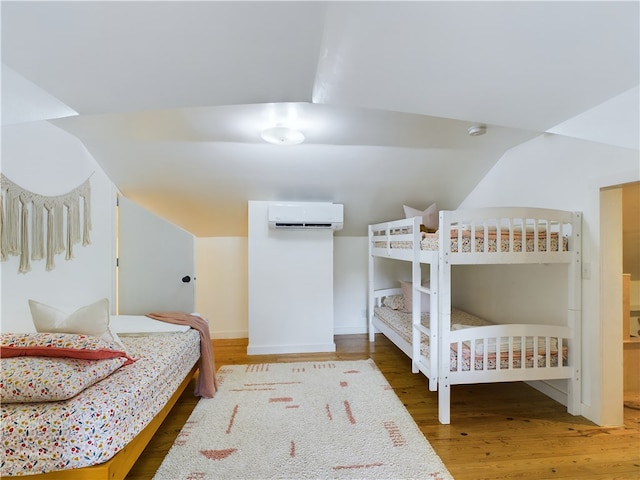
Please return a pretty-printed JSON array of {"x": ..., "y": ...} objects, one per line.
[{"x": 442, "y": 344}]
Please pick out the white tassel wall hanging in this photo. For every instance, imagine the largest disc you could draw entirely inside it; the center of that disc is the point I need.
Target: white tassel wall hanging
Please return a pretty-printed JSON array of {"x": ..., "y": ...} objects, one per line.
[{"x": 63, "y": 220}]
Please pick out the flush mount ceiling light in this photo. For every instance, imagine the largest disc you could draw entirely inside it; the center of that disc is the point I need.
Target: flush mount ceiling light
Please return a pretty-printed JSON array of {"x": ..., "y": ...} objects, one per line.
[
  {"x": 477, "y": 130},
  {"x": 282, "y": 136}
]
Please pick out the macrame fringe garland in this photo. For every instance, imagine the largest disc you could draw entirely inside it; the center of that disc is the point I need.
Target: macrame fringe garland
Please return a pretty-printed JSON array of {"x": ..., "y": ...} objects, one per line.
[{"x": 71, "y": 210}]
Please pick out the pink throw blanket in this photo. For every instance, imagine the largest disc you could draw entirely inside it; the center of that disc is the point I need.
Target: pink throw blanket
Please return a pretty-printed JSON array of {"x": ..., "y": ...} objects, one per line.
[{"x": 207, "y": 383}]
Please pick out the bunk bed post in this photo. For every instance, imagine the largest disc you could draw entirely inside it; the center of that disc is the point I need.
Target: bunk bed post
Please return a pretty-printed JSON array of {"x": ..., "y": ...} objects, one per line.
[
  {"x": 416, "y": 308},
  {"x": 372, "y": 335},
  {"x": 434, "y": 320},
  {"x": 574, "y": 400},
  {"x": 444, "y": 318}
]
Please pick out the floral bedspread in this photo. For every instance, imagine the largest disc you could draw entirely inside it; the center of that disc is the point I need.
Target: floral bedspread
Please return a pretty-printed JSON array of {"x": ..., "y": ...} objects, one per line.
[
  {"x": 93, "y": 426},
  {"x": 430, "y": 242},
  {"x": 400, "y": 322}
]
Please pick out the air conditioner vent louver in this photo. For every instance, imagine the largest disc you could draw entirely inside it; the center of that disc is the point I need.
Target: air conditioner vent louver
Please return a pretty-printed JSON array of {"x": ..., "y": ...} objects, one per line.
[
  {"x": 303, "y": 225},
  {"x": 306, "y": 216}
]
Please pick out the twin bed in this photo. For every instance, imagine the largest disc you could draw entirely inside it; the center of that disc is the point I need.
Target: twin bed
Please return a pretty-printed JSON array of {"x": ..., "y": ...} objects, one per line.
[
  {"x": 99, "y": 431},
  {"x": 450, "y": 346}
]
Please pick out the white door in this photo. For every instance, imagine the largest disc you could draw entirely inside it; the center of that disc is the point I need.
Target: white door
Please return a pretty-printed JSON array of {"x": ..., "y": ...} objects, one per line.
[{"x": 156, "y": 263}]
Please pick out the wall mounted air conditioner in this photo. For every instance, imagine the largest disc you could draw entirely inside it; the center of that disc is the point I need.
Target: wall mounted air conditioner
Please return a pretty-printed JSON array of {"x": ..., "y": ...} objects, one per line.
[{"x": 306, "y": 216}]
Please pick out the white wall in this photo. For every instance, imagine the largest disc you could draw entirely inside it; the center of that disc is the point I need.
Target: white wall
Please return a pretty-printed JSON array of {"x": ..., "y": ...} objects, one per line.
[
  {"x": 290, "y": 287},
  {"x": 350, "y": 285},
  {"x": 552, "y": 171},
  {"x": 634, "y": 293},
  {"x": 221, "y": 285},
  {"x": 537, "y": 294},
  {"x": 45, "y": 160},
  {"x": 153, "y": 257}
]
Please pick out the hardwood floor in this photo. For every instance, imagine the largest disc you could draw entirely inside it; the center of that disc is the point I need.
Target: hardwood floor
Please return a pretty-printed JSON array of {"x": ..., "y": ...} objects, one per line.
[{"x": 497, "y": 431}]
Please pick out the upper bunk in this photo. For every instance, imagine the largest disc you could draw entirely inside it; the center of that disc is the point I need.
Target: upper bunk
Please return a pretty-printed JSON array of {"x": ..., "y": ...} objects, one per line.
[{"x": 482, "y": 236}]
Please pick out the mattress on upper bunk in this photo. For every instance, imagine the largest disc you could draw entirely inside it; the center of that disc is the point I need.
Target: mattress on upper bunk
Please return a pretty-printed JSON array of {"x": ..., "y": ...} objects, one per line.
[
  {"x": 94, "y": 425},
  {"x": 400, "y": 322},
  {"x": 430, "y": 241}
]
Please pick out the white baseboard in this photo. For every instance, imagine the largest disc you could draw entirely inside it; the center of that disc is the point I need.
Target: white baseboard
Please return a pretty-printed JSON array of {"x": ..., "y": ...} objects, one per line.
[
  {"x": 272, "y": 349},
  {"x": 245, "y": 334},
  {"x": 229, "y": 334},
  {"x": 550, "y": 391},
  {"x": 357, "y": 329}
]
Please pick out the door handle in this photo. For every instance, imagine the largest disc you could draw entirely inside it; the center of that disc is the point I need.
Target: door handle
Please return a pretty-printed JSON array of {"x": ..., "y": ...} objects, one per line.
[{"x": 186, "y": 279}]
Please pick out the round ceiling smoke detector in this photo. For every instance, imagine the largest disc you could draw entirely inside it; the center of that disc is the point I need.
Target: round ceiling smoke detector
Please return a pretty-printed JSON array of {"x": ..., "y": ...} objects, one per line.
[
  {"x": 283, "y": 136},
  {"x": 477, "y": 130}
]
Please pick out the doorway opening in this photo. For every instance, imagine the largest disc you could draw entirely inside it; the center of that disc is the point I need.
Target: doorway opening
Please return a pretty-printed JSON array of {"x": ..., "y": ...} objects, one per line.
[{"x": 631, "y": 293}]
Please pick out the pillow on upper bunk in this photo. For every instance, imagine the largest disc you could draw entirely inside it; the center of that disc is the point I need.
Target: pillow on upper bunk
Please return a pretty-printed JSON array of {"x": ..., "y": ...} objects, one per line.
[
  {"x": 50, "y": 379},
  {"x": 92, "y": 319},
  {"x": 429, "y": 216},
  {"x": 407, "y": 294}
]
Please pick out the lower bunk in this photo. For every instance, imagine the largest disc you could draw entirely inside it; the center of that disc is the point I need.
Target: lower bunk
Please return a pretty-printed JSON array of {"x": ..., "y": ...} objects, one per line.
[
  {"x": 474, "y": 350},
  {"x": 100, "y": 432}
]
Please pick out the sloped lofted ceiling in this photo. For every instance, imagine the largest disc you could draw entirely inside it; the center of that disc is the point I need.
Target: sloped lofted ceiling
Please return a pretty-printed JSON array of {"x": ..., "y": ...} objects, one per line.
[{"x": 172, "y": 96}]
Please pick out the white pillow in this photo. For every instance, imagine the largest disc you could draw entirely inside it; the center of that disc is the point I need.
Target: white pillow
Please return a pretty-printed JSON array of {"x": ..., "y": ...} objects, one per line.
[
  {"x": 429, "y": 216},
  {"x": 394, "y": 302},
  {"x": 91, "y": 320}
]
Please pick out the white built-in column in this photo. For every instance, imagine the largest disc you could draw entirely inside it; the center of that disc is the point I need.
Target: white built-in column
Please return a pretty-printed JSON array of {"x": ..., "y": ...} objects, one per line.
[{"x": 290, "y": 287}]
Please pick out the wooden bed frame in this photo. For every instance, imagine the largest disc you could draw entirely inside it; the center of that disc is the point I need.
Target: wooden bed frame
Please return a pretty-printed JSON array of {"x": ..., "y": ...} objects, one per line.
[{"x": 119, "y": 465}]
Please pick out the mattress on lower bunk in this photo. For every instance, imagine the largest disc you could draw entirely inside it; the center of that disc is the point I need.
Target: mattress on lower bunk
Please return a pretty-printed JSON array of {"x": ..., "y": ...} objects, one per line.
[
  {"x": 430, "y": 241},
  {"x": 400, "y": 322},
  {"x": 93, "y": 426}
]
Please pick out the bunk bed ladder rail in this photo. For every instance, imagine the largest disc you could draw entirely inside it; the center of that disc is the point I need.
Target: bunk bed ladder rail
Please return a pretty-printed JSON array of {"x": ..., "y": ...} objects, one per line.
[
  {"x": 434, "y": 322},
  {"x": 418, "y": 330},
  {"x": 416, "y": 308}
]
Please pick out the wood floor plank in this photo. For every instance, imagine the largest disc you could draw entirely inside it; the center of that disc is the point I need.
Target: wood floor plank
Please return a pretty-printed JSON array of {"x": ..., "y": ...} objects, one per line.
[{"x": 497, "y": 431}]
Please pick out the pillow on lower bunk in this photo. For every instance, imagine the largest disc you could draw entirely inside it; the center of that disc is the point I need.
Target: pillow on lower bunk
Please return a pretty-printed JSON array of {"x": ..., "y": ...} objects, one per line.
[
  {"x": 92, "y": 319},
  {"x": 47, "y": 379},
  {"x": 394, "y": 302},
  {"x": 407, "y": 293}
]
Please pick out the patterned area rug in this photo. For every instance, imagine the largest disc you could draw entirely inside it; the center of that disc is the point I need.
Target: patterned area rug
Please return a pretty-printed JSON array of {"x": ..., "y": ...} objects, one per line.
[{"x": 301, "y": 420}]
